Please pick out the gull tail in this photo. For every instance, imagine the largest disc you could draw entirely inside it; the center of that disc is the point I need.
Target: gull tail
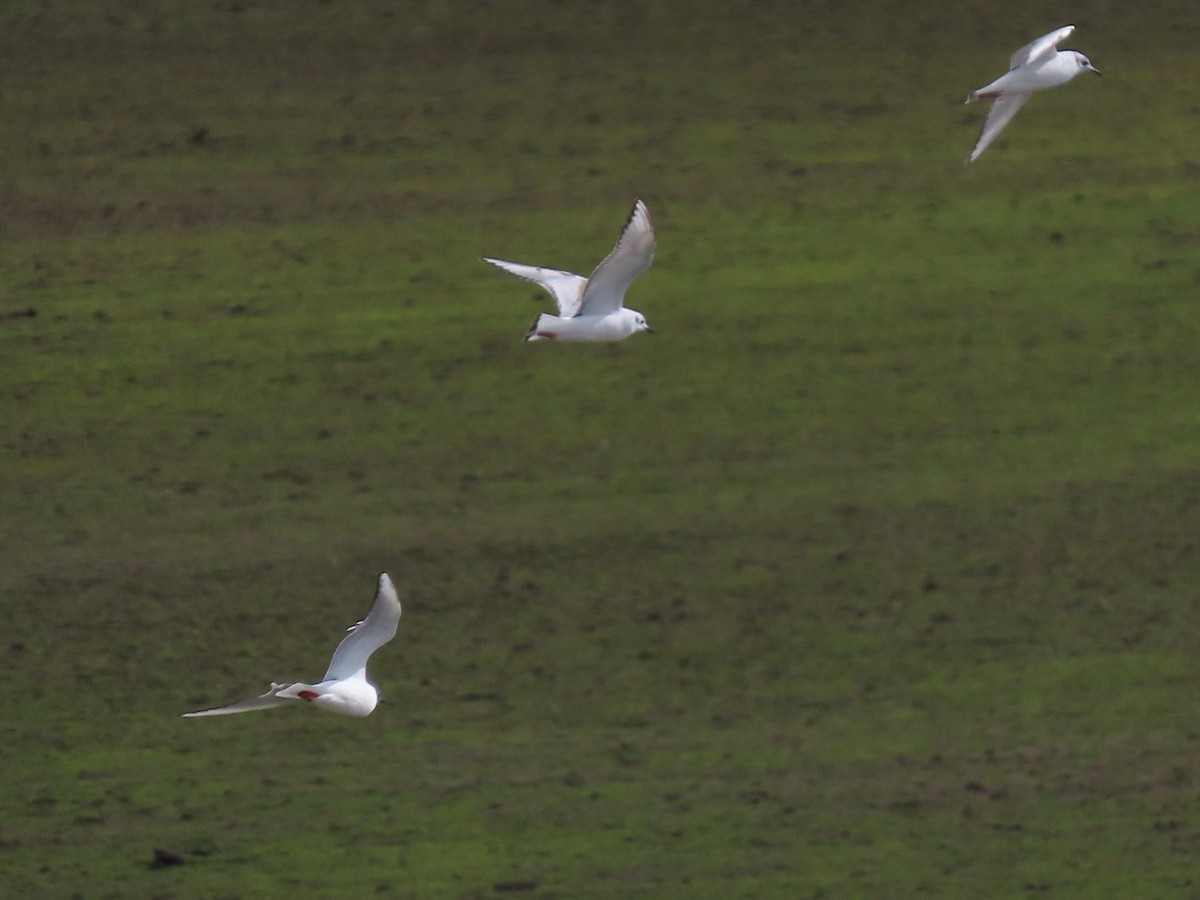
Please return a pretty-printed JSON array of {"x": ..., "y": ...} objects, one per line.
[
  {"x": 983, "y": 94},
  {"x": 542, "y": 328},
  {"x": 298, "y": 691}
]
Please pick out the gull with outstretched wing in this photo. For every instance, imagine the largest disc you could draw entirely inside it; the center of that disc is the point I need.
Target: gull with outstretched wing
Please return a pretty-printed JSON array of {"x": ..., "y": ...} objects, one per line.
[
  {"x": 1036, "y": 66},
  {"x": 344, "y": 689},
  {"x": 592, "y": 309}
]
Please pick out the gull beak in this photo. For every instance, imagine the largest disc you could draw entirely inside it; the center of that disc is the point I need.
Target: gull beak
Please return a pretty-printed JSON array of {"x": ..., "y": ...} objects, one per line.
[
  {"x": 649, "y": 330},
  {"x": 1094, "y": 69}
]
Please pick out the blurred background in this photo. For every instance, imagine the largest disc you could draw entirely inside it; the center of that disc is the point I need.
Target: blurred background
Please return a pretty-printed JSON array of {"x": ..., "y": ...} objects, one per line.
[{"x": 871, "y": 573}]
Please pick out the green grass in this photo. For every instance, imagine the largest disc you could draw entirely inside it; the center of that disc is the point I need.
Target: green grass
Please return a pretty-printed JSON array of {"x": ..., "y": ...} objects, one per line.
[{"x": 872, "y": 574}]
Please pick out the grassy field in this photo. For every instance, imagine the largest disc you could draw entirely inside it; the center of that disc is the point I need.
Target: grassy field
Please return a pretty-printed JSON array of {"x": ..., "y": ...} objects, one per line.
[{"x": 872, "y": 574}]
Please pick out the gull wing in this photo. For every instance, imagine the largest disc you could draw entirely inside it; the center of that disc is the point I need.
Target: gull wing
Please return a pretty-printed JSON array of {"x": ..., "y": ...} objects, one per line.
[
  {"x": 367, "y": 636},
  {"x": 565, "y": 287},
  {"x": 1041, "y": 49},
  {"x": 1001, "y": 113},
  {"x": 268, "y": 700},
  {"x": 633, "y": 254}
]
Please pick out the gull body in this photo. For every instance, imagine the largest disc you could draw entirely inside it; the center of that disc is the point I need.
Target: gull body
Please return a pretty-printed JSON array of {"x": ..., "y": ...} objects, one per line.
[
  {"x": 1036, "y": 66},
  {"x": 344, "y": 689},
  {"x": 592, "y": 309}
]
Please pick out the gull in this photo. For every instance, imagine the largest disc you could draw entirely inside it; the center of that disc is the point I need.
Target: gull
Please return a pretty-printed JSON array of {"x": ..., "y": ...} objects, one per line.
[
  {"x": 1035, "y": 67},
  {"x": 344, "y": 689},
  {"x": 591, "y": 309}
]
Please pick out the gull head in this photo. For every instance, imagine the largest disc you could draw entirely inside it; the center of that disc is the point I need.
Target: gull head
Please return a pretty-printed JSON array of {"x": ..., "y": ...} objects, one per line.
[
  {"x": 639, "y": 322},
  {"x": 1084, "y": 63}
]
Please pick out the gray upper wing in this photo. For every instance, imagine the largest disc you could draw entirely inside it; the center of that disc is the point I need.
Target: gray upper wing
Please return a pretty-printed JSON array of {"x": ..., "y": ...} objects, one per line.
[
  {"x": 367, "y": 636},
  {"x": 633, "y": 254},
  {"x": 1001, "y": 113},
  {"x": 565, "y": 287},
  {"x": 1042, "y": 48},
  {"x": 265, "y": 701}
]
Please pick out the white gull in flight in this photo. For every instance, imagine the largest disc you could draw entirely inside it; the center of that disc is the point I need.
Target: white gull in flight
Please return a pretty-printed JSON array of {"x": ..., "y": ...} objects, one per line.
[
  {"x": 1035, "y": 67},
  {"x": 344, "y": 689},
  {"x": 591, "y": 309}
]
